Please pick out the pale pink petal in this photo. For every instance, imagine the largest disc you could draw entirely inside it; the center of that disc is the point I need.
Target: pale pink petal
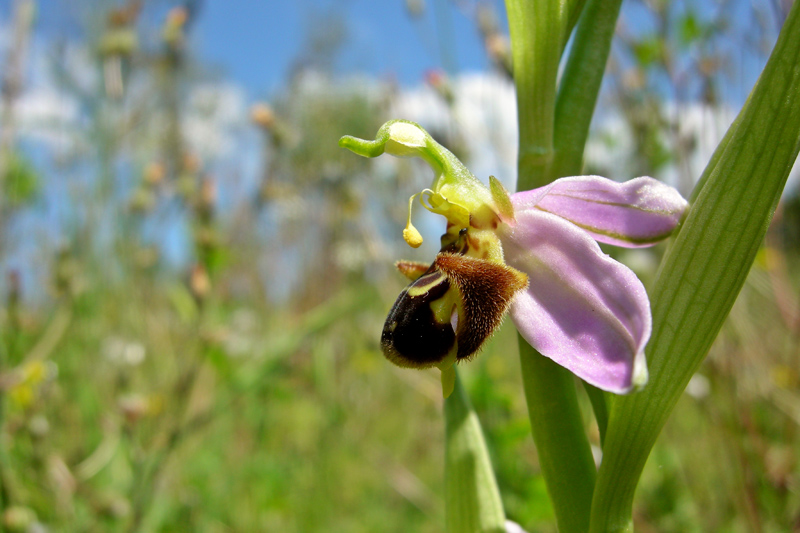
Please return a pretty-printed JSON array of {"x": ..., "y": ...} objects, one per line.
[
  {"x": 582, "y": 309},
  {"x": 637, "y": 213}
]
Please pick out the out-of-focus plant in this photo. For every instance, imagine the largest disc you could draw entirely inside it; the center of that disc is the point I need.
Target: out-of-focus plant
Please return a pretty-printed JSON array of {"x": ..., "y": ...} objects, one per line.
[
  {"x": 123, "y": 359},
  {"x": 117, "y": 46},
  {"x": 16, "y": 178}
]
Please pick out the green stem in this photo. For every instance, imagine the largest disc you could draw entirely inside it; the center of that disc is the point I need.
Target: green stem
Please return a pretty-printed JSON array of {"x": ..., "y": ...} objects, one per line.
[
  {"x": 573, "y": 10},
  {"x": 539, "y": 30},
  {"x": 472, "y": 499},
  {"x": 536, "y": 42},
  {"x": 564, "y": 452}
]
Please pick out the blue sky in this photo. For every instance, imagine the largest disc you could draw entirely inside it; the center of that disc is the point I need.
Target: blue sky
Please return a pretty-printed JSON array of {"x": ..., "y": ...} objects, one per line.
[
  {"x": 255, "y": 43},
  {"x": 252, "y": 46},
  {"x": 258, "y": 41}
]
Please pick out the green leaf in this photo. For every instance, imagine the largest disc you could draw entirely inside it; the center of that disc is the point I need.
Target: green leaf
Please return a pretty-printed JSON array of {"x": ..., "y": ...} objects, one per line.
[
  {"x": 705, "y": 268},
  {"x": 689, "y": 29},
  {"x": 220, "y": 360},
  {"x": 472, "y": 499},
  {"x": 183, "y": 302},
  {"x": 580, "y": 84}
]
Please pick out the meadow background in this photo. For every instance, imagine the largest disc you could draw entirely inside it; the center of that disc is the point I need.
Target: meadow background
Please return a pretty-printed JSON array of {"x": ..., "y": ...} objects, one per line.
[{"x": 194, "y": 277}]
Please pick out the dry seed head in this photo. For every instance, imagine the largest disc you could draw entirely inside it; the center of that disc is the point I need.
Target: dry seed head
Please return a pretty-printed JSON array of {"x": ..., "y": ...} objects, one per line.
[
  {"x": 262, "y": 115},
  {"x": 154, "y": 173},
  {"x": 177, "y": 16},
  {"x": 199, "y": 282}
]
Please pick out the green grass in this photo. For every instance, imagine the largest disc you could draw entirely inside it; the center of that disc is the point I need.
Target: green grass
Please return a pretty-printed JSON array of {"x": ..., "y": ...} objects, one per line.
[{"x": 312, "y": 430}]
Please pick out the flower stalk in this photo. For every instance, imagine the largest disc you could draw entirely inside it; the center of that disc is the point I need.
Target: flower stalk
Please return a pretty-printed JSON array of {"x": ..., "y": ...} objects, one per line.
[
  {"x": 557, "y": 427},
  {"x": 533, "y": 47},
  {"x": 549, "y": 149},
  {"x": 472, "y": 498}
]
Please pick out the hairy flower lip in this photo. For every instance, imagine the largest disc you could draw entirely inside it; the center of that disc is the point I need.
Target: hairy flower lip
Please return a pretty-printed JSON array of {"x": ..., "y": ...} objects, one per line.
[{"x": 449, "y": 311}]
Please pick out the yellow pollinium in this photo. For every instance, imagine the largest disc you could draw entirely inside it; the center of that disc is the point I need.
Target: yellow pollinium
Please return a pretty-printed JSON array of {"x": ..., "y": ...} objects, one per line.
[{"x": 412, "y": 236}]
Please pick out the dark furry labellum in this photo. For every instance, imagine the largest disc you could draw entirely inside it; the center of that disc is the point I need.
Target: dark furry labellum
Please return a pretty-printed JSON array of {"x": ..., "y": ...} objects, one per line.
[
  {"x": 486, "y": 291},
  {"x": 412, "y": 337},
  {"x": 479, "y": 291}
]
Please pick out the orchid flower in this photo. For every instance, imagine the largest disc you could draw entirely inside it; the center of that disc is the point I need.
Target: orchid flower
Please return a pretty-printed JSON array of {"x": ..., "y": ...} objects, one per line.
[{"x": 533, "y": 254}]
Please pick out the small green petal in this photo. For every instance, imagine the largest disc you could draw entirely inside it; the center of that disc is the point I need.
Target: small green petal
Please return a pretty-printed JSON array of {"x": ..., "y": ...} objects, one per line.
[{"x": 502, "y": 200}]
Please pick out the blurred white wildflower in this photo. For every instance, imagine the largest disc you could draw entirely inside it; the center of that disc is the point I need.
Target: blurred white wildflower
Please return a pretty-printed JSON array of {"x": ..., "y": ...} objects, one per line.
[
  {"x": 698, "y": 387},
  {"x": 513, "y": 527},
  {"x": 123, "y": 352},
  {"x": 351, "y": 255},
  {"x": 133, "y": 406},
  {"x": 39, "y": 426},
  {"x": 214, "y": 114},
  {"x": 240, "y": 338}
]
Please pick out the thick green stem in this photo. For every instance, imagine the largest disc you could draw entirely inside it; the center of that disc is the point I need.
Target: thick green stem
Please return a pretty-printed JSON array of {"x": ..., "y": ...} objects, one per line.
[
  {"x": 539, "y": 30},
  {"x": 573, "y": 10},
  {"x": 536, "y": 42},
  {"x": 564, "y": 452}
]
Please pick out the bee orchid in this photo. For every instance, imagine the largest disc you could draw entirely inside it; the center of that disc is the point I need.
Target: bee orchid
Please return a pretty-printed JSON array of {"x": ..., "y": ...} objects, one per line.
[{"x": 533, "y": 254}]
